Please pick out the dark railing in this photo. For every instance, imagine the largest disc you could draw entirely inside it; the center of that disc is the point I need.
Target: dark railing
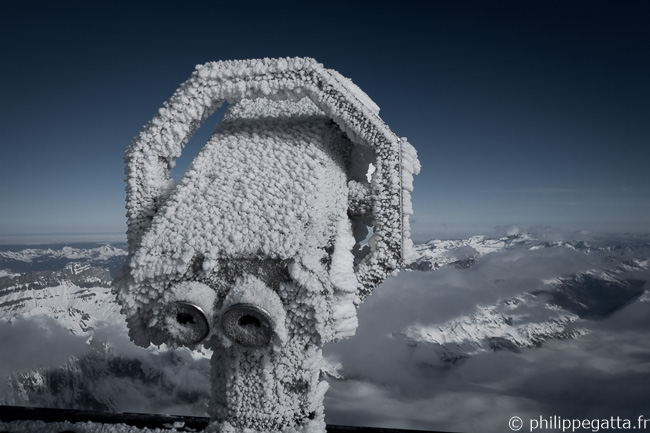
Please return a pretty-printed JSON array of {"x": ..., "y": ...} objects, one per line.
[{"x": 151, "y": 421}]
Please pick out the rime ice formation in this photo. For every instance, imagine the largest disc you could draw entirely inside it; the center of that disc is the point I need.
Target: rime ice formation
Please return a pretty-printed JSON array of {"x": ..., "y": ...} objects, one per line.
[{"x": 259, "y": 251}]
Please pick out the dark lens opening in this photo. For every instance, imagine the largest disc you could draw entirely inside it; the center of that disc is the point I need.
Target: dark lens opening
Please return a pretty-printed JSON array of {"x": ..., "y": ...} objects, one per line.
[
  {"x": 185, "y": 318},
  {"x": 248, "y": 320}
]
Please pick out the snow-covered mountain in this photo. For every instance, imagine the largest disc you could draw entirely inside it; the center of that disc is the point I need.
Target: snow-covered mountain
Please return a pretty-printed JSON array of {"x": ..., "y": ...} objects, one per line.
[
  {"x": 555, "y": 308},
  {"x": 55, "y": 257},
  {"x": 77, "y": 296},
  {"x": 73, "y": 307},
  {"x": 462, "y": 253},
  {"x": 504, "y": 326},
  {"x": 556, "y": 311}
]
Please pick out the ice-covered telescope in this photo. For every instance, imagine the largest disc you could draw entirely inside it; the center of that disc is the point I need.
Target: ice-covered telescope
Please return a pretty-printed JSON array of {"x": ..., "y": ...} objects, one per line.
[{"x": 292, "y": 213}]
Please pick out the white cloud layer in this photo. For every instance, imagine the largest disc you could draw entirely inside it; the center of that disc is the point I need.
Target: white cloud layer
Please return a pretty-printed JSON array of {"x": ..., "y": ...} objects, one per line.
[
  {"x": 395, "y": 382},
  {"x": 35, "y": 343}
]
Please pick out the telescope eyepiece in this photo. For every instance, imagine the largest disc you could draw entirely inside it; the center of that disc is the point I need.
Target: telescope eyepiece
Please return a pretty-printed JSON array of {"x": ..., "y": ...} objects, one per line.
[
  {"x": 248, "y": 325},
  {"x": 187, "y": 323}
]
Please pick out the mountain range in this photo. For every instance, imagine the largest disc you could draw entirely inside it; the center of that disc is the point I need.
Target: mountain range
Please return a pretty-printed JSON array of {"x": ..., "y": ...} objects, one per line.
[
  {"x": 105, "y": 372},
  {"x": 65, "y": 292},
  {"x": 555, "y": 309}
]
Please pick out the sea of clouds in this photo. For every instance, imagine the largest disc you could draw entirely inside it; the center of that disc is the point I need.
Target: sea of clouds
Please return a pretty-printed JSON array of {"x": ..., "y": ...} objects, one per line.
[{"x": 391, "y": 383}]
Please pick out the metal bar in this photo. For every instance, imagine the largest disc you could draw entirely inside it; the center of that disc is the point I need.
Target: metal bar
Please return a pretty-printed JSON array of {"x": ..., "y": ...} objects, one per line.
[{"x": 151, "y": 421}]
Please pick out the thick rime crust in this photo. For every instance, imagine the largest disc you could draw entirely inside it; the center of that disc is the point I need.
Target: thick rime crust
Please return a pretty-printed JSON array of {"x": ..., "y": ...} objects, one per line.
[
  {"x": 152, "y": 153},
  {"x": 260, "y": 251}
]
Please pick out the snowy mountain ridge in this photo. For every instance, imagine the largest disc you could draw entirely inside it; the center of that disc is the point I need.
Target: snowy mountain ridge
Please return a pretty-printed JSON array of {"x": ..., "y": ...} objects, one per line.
[
  {"x": 555, "y": 308},
  {"x": 25, "y": 260},
  {"x": 460, "y": 253},
  {"x": 104, "y": 372},
  {"x": 78, "y": 297},
  {"x": 101, "y": 253},
  {"x": 497, "y": 327}
]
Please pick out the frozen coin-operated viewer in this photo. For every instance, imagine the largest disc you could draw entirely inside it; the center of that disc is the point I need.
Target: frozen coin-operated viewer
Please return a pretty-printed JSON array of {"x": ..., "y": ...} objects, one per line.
[{"x": 292, "y": 213}]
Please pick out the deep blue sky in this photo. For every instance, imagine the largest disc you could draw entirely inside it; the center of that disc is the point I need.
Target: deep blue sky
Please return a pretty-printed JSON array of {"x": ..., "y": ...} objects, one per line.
[{"x": 525, "y": 112}]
